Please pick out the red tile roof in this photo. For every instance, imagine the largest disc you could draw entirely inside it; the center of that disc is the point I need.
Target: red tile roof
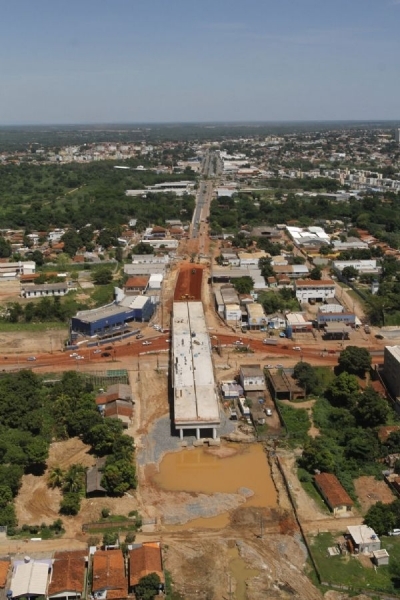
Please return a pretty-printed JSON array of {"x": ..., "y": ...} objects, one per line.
[
  {"x": 332, "y": 489},
  {"x": 4, "y": 566},
  {"x": 118, "y": 408},
  {"x": 68, "y": 572},
  {"x": 314, "y": 282},
  {"x": 145, "y": 560},
  {"x": 136, "y": 282},
  {"x": 109, "y": 574}
]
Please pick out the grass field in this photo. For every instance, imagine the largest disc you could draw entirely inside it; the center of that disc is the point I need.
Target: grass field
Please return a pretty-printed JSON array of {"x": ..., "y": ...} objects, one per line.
[
  {"x": 10, "y": 327},
  {"x": 354, "y": 572}
]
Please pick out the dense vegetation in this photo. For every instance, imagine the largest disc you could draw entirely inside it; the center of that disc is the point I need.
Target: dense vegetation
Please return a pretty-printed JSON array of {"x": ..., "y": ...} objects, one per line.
[
  {"x": 32, "y": 415},
  {"x": 37, "y": 197}
]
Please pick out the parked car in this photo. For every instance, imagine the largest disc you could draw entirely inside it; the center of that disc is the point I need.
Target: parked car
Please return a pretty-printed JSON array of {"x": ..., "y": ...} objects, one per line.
[
  {"x": 139, "y": 336},
  {"x": 282, "y": 334},
  {"x": 146, "y": 343},
  {"x": 73, "y": 354},
  {"x": 79, "y": 357},
  {"x": 98, "y": 351},
  {"x": 394, "y": 532},
  {"x": 238, "y": 343},
  {"x": 31, "y": 358},
  {"x": 268, "y": 412},
  {"x": 297, "y": 348}
]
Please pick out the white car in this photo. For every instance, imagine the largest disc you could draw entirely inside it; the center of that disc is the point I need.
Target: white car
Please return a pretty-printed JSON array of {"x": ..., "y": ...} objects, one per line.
[
  {"x": 394, "y": 532},
  {"x": 146, "y": 343},
  {"x": 268, "y": 412},
  {"x": 239, "y": 343},
  {"x": 79, "y": 357},
  {"x": 297, "y": 348},
  {"x": 97, "y": 351},
  {"x": 74, "y": 354}
]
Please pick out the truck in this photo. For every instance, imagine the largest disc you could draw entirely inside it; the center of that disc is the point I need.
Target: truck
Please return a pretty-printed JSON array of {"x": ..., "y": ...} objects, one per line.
[
  {"x": 270, "y": 341},
  {"x": 245, "y": 410}
]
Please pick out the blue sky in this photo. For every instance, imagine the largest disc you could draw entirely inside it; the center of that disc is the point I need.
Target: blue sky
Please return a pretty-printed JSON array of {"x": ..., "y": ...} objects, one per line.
[{"x": 103, "y": 61}]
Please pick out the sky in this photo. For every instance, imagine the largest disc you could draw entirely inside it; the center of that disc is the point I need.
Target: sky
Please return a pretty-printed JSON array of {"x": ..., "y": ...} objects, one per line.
[{"x": 133, "y": 61}]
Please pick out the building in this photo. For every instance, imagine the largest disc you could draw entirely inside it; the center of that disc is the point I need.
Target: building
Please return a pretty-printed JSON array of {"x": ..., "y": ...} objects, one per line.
[
  {"x": 29, "y": 577},
  {"x": 323, "y": 318},
  {"x": 67, "y": 581},
  {"x": 93, "y": 479},
  {"x": 296, "y": 323},
  {"x": 317, "y": 290},
  {"x": 196, "y": 404},
  {"x": 362, "y": 266},
  {"x": 4, "y": 567},
  {"x": 230, "y": 258},
  {"x": 391, "y": 369},
  {"x": 109, "y": 580},
  {"x": 380, "y": 557},
  {"x": 255, "y": 316},
  {"x": 362, "y": 539},
  {"x": 136, "y": 285},
  {"x": 252, "y": 378},
  {"x": 45, "y": 290},
  {"x": 251, "y": 259},
  {"x": 143, "y": 560},
  {"x": 397, "y": 135},
  {"x": 10, "y": 270},
  {"x": 333, "y": 493},
  {"x": 107, "y": 320}
]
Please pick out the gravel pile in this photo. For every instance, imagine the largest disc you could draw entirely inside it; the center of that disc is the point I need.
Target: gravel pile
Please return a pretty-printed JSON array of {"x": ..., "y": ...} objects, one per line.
[{"x": 162, "y": 438}]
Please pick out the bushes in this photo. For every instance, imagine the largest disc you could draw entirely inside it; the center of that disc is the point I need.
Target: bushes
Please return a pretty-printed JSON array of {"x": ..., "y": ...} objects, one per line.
[{"x": 70, "y": 504}]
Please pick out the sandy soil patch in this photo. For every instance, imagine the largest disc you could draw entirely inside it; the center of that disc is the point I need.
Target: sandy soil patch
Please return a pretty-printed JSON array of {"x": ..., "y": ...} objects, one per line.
[{"x": 370, "y": 491}]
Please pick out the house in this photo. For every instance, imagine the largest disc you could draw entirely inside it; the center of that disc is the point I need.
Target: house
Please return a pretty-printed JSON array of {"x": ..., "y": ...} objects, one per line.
[
  {"x": 136, "y": 284},
  {"x": 4, "y": 567},
  {"x": 252, "y": 378},
  {"x": 256, "y": 316},
  {"x": 29, "y": 577},
  {"x": 362, "y": 539},
  {"x": 231, "y": 389},
  {"x": 119, "y": 409},
  {"x": 109, "y": 578},
  {"x": 230, "y": 258},
  {"x": 333, "y": 493},
  {"x": 67, "y": 581},
  {"x": 93, "y": 479},
  {"x": 144, "y": 560}
]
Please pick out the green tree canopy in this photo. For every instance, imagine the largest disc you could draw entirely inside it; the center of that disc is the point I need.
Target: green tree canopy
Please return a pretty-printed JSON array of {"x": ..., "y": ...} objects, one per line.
[
  {"x": 306, "y": 376},
  {"x": 342, "y": 392},
  {"x": 148, "y": 587},
  {"x": 102, "y": 275},
  {"x": 372, "y": 410},
  {"x": 355, "y": 360},
  {"x": 243, "y": 285}
]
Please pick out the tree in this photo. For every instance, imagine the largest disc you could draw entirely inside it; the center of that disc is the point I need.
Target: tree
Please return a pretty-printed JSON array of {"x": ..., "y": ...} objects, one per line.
[
  {"x": 380, "y": 518},
  {"x": 37, "y": 452},
  {"x": 306, "y": 376},
  {"x": 350, "y": 273},
  {"x": 56, "y": 477},
  {"x": 243, "y": 285},
  {"x": 355, "y": 360},
  {"x": 103, "y": 436},
  {"x": 102, "y": 275},
  {"x": 372, "y": 410},
  {"x": 316, "y": 456},
  {"x": 119, "y": 477},
  {"x": 74, "y": 479},
  {"x": 316, "y": 273},
  {"x": 148, "y": 587},
  {"x": 70, "y": 504},
  {"x": 110, "y": 538},
  {"x": 142, "y": 248},
  {"x": 71, "y": 241},
  {"x": 342, "y": 392}
]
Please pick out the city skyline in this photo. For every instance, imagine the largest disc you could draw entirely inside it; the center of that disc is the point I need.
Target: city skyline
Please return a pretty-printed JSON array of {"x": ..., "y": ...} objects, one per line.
[{"x": 211, "y": 62}]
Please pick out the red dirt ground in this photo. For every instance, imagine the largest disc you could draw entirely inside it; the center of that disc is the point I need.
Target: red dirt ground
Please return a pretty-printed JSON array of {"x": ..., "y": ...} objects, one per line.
[{"x": 188, "y": 286}]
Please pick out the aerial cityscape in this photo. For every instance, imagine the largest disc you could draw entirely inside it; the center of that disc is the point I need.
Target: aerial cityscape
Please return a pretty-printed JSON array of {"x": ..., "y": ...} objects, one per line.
[{"x": 200, "y": 300}]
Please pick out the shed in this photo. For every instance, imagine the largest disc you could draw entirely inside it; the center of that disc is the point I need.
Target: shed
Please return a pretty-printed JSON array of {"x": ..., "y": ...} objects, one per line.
[
  {"x": 363, "y": 539},
  {"x": 380, "y": 557},
  {"x": 252, "y": 378},
  {"x": 93, "y": 479},
  {"x": 333, "y": 493}
]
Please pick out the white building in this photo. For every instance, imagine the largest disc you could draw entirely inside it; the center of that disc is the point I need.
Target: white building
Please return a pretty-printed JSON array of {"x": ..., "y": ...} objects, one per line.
[
  {"x": 362, "y": 266},
  {"x": 45, "y": 289},
  {"x": 233, "y": 313},
  {"x": 14, "y": 269},
  {"x": 155, "y": 281},
  {"x": 256, "y": 316},
  {"x": 250, "y": 259},
  {"x": 318, "y": 290},
  {"x": 252, "y": 378}
]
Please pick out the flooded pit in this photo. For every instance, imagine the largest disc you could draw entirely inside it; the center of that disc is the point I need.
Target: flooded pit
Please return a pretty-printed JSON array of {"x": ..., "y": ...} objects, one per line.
[
  {"x": 240, "y": 573},
  {"x": 227, "y": 469}
]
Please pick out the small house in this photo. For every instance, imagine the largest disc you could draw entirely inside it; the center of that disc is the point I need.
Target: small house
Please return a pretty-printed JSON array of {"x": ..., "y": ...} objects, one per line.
[
  {"x": 362, "y": 539},
  {"x": 333, "y": 493},
  {"x": 252, "y": 378},
  {"x": 93, "y": 479},
  {"x": 67, "y": 580},
  {"x": 109, "y": 579},
  {"x": 144, "y": 560}
]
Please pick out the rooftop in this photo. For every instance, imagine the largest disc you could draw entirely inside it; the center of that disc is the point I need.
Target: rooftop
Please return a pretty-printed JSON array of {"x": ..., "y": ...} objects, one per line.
[
  {"x": 362, "y": 534},
  {"x": 4, "y": 566},
  {"x": 315, "y": 283},
  {"x": 109, "y": 573},
  {"x": 145, "y": 560},
  {"x": 333, "y": 490},
  {"x": 89, "y": 316},
  {"x": 195, "y": 399},
  {"x": 68, "y": 572}
]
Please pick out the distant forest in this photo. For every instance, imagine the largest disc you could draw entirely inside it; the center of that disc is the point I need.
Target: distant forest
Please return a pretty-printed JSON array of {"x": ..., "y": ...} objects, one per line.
[{"x": 20, "y": 138}]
